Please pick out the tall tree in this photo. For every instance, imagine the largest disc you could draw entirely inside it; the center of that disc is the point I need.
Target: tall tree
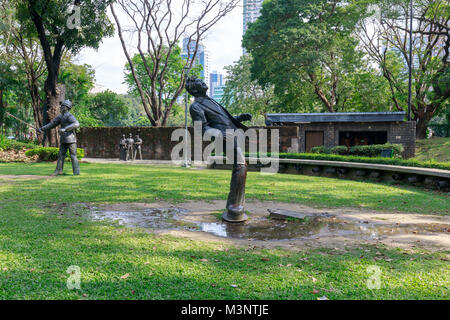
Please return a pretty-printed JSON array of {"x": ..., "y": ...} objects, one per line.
[
  {"x": 385, "y": 38},
  {"x": 159, "y": 26},
  {"x": 243, "y": 94},
  {"x": 108, "y": 107},
  {"x": 24, "y": 50},
  {"x": 172, "y": 74},
  {"x": 305, "y": 43},
  {"x": 63, "y": 25}
]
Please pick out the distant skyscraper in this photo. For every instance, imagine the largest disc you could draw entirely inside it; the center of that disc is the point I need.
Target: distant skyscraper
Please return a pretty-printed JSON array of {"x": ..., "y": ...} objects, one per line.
[
  {"x": 218, "y": 93},
  {"x": 202, "y": 57},
  {"x": 252, "y": 10},
  {"x": 215, "y": 80}
]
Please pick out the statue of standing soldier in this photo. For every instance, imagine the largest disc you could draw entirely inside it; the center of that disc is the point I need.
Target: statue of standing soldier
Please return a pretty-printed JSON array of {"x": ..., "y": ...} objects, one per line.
[
  {"x": 137, "y": 147},
  {"x": 123, "y": 148},
  {"x": 130, "y": 146},
  {"x": 215, "y": 121},
  {"x": 68, "y": 139}
]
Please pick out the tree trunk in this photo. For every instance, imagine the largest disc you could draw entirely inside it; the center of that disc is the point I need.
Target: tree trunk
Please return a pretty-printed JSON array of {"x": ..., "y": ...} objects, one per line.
[
  {"x": 2, "y": 115},
  {"x": 52, "y": 110},
  {"x": 320, "y": 94},
  {"x": 52, "y": 61},
  {"x": 33, "y": 87},
  {"x": 421, "y": 129}
]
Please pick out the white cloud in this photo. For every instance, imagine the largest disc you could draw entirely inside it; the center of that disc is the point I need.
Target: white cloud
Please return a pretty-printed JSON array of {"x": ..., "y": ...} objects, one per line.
[{"x": 223, "y": 42}]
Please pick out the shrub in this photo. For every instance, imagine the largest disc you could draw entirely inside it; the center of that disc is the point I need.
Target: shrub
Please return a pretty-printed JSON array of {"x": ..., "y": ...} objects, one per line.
[
  {"x": 340, "y": 150},
  {"x": 379, "y": 160},
  {"x": 6, "y": 144},
  {"x": 321, "y": 150},
  {"x": 375, "y": 150},
  {"x": 3, "y": 142},
  {"x": 51, "y": 154}
]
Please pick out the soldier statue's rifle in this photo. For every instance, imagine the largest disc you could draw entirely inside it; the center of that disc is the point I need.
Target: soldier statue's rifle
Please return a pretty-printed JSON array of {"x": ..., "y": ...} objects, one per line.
[{"x": 24, "y": 122}]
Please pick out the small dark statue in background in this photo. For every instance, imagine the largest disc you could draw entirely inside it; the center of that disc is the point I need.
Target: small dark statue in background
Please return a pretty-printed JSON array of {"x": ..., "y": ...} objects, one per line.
[
  {"x": 68, "y": 139},
  {"x": 137, "y": 147},
  {"x": 216, "y": 120},
  {"x": 123, "y": 148}
]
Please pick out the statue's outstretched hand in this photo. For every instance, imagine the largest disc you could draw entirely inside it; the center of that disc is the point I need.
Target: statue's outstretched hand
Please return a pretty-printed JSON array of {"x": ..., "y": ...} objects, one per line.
[{"x": 244, "y": 117}]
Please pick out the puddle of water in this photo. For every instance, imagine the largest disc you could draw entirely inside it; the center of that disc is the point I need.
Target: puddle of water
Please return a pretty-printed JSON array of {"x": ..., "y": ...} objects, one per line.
[
  {"x": 317, "y": 227},
  {"x": 160, "y": 218},
  {"x": 261, "y": 228}
]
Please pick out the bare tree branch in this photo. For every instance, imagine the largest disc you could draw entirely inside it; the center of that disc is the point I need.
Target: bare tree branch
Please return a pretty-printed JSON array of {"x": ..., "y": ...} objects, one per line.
[{"x": 162, "y": 26}]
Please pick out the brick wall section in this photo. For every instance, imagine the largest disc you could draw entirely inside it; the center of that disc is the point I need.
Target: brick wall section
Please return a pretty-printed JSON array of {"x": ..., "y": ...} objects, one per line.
[
  {"x": 157, "y": 145},
  {"x": 404, "y": 133},
  {"x": 397, "y": 132}
]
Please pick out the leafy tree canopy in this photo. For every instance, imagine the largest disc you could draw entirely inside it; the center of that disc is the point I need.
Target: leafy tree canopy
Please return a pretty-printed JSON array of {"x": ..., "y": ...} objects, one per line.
[
  {"x": 172, "y": 74},
  {"x": 78, "y": 23},
  {"x": 304, "y": 41}
]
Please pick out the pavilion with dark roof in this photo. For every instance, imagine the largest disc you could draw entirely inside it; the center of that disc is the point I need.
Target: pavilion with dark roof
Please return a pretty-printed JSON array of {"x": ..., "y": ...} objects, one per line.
[{"x": 349, "y": 129}]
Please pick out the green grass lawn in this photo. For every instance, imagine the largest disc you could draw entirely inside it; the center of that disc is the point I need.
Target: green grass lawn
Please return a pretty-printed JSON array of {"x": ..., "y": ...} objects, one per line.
[
  {"x": 39, "y": 241},
  {"x": 437, "y": 149}
]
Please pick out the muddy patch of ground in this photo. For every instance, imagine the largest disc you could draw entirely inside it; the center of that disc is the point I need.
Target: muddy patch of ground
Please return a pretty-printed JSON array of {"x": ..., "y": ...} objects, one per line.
[
  {"x": 328, "y": 228},
  {"x": 20, "y": 177}
]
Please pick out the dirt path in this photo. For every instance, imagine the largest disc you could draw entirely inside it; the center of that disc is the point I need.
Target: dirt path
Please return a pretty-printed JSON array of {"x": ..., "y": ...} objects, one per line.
[
  {"x": 345, "y": 228},
  {"x": 16, "y": 177}
]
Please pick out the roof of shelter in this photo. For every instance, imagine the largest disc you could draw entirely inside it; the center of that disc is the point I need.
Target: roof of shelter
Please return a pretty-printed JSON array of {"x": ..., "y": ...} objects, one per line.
[{"x": 273, "y": 118}]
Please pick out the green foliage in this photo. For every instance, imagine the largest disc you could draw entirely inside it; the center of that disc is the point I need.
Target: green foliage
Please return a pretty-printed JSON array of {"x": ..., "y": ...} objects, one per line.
[
  {"x": 85, "y": 117},
  {"x": 56, "y": 14},
  {"x": 108, "y": 108},
  {"x": 373, "y": 150},
  {"x": 436, "y": 149},
  {"x": 389, "y": 47},
  {"x": 321, "y": 150},
  {"x": 308, "y": 46},
  {"x": 242, "y": 94},
  {"x": 14, "y": 98},
  {"x": 78, "y": 80},
  {"x": 168, "y": 84},
  {"x": 379, "y": 160},
  {"x": 51, "y": 154},
  {"x": 342, "y": 150},
  {"x": 4, "y": 143},
  {"x": 105, "y": 108},
  {"x": 7, "y": 144},
  {"x": 142, "y": 121}
]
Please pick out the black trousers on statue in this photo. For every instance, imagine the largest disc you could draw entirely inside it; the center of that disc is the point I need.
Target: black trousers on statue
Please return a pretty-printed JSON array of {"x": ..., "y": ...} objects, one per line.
[
  {"x": 236, "y": 198},
  {"x": 72, "y": 147}
]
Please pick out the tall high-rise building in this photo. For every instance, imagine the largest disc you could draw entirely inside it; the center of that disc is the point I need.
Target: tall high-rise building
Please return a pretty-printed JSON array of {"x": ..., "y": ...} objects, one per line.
[
  {"x": 252, "y": 10},
  {"x": 215, "y": 80},
  {"x": 202, "y": 57},
  {"x": 218, "y": 93}
]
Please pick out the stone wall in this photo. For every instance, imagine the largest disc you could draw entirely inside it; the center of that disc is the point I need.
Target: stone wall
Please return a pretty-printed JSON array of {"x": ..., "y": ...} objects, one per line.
[{"x": 103, "y": 142}]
